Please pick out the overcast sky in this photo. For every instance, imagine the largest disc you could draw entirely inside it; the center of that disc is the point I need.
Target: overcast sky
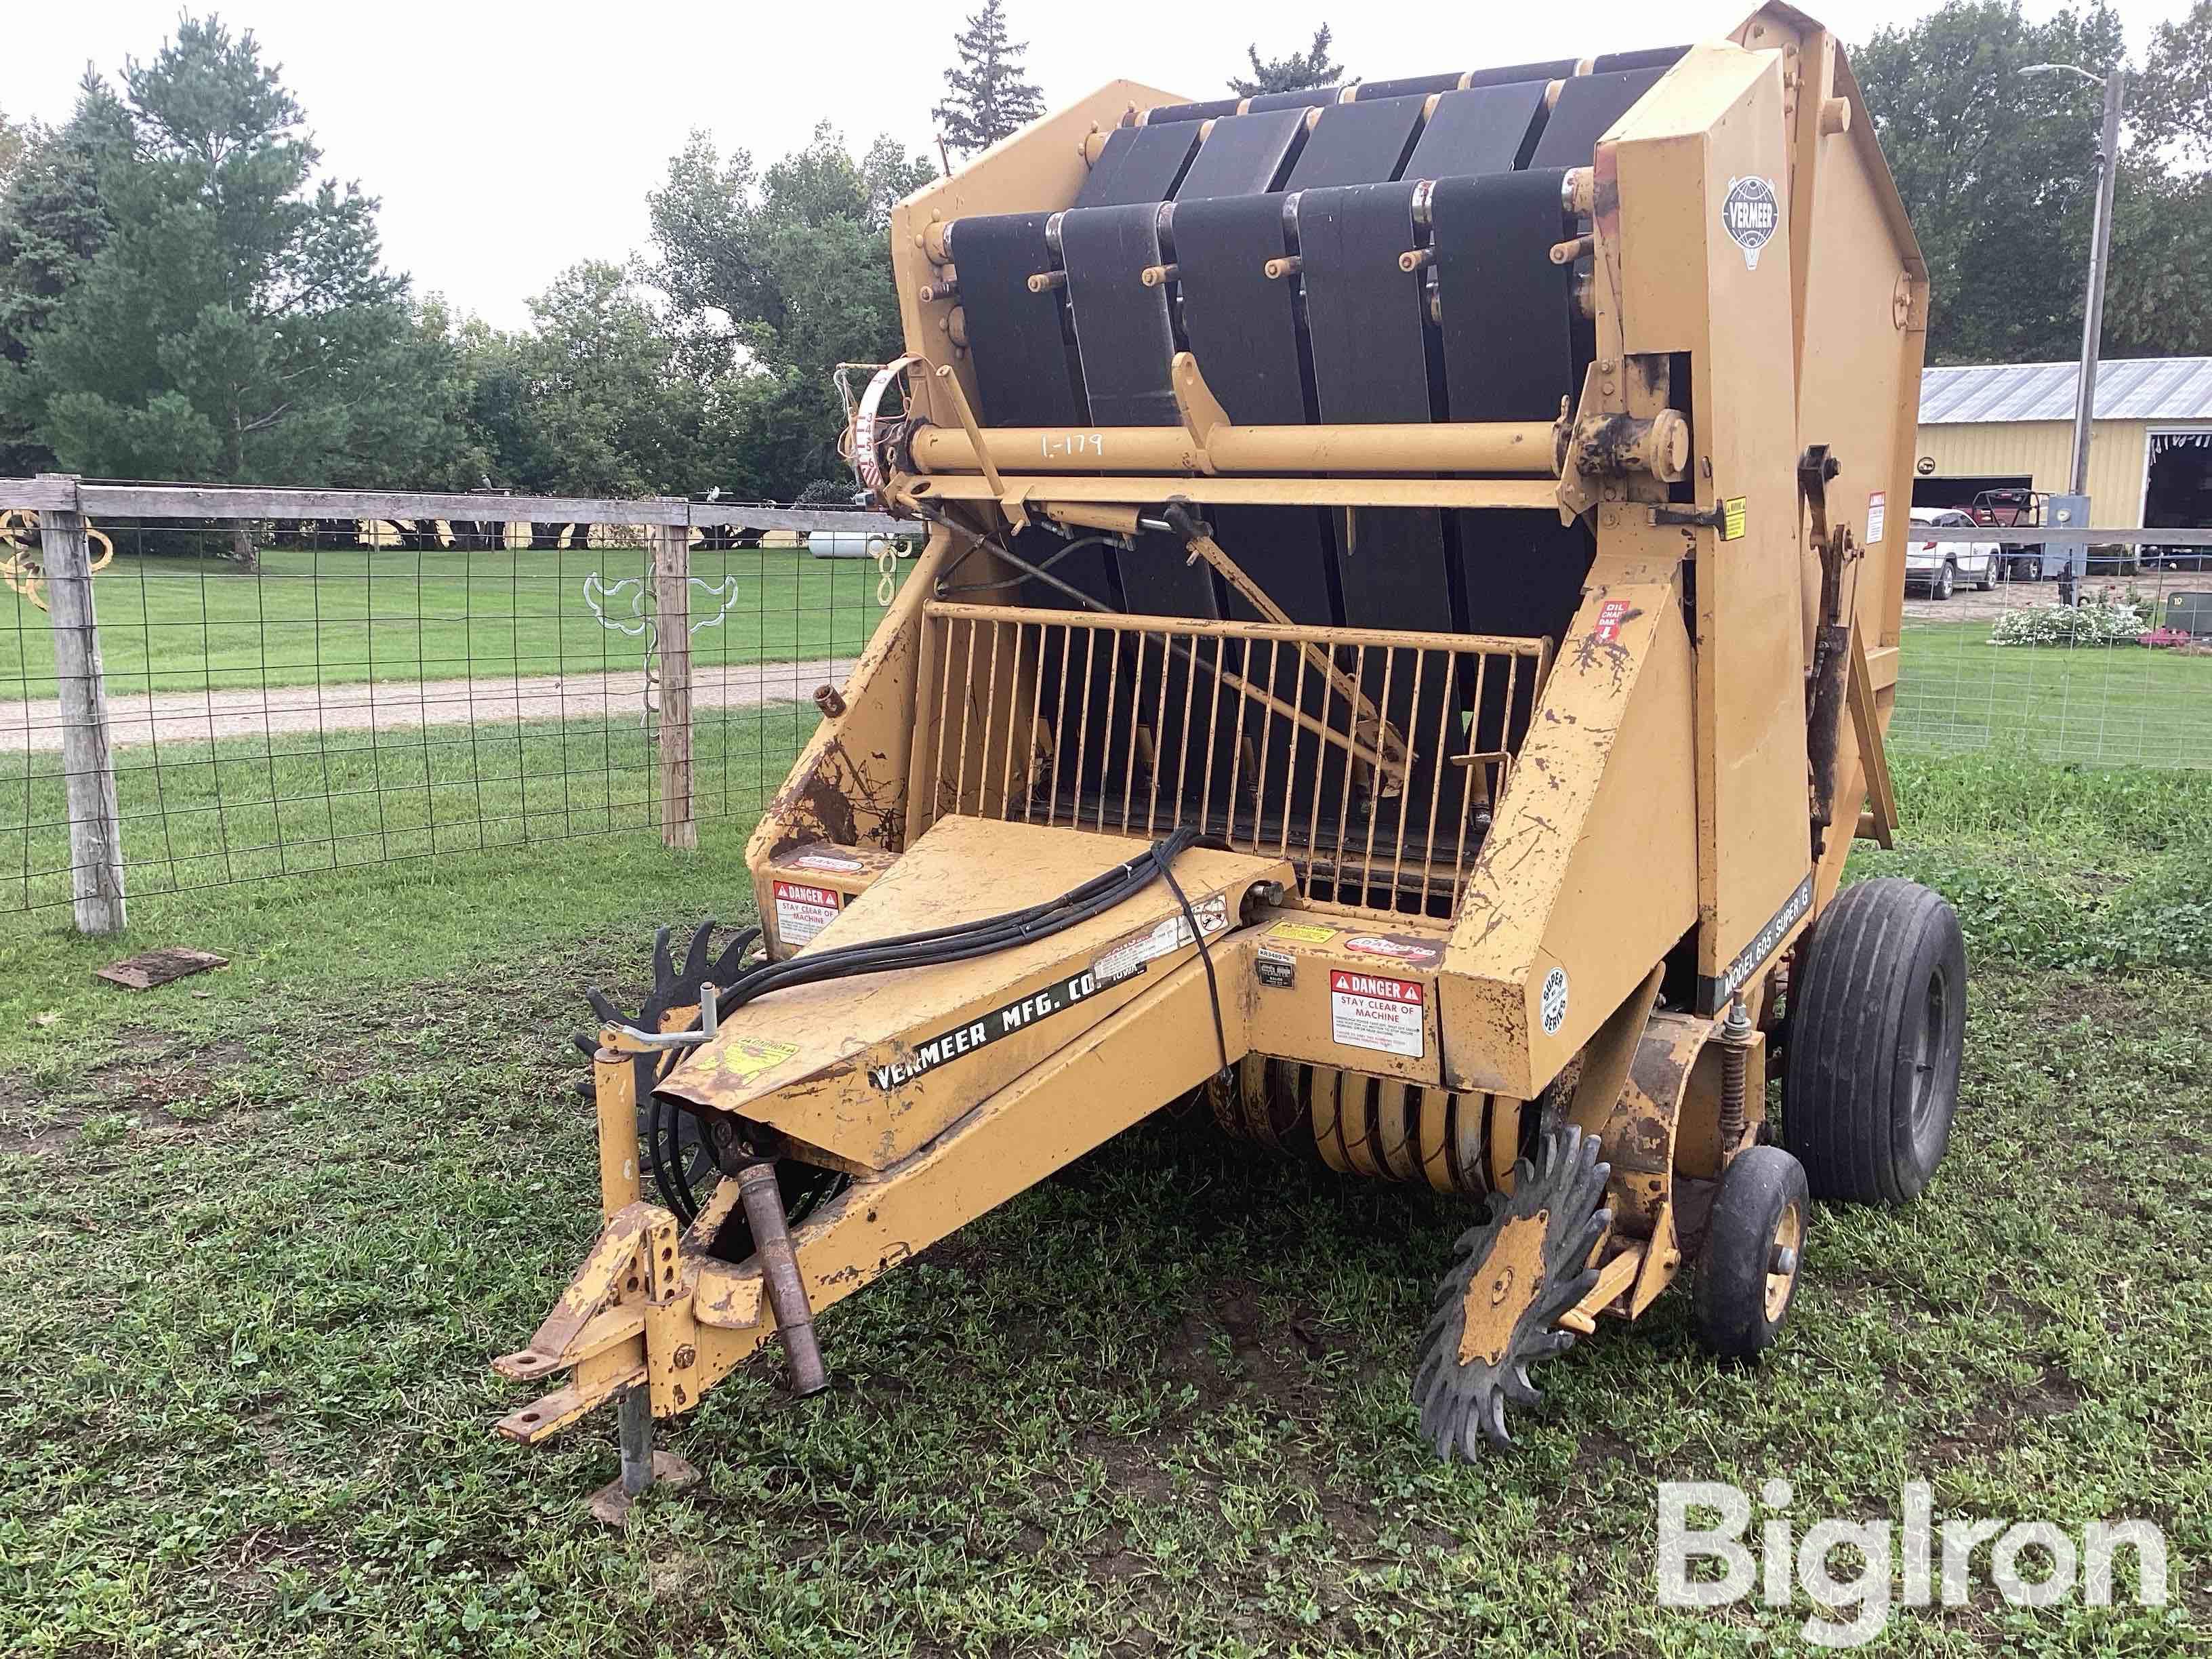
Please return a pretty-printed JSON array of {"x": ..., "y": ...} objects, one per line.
[{"x": 508, "y": 141}]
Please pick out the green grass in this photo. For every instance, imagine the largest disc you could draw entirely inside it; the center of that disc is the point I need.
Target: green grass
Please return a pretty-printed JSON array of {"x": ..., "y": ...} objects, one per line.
[
  {"x": 263, "y": 1228},
  {"x": 2106, "y": 705},
  {"x": 198, "y": 814},
  {"x": 173, "y": 623}
]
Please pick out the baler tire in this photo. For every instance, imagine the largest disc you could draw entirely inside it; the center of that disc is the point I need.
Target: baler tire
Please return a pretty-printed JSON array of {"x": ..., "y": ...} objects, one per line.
[
  {"x": 1877, "y": 1024},
  {"x": 1744, "y": 1286}
]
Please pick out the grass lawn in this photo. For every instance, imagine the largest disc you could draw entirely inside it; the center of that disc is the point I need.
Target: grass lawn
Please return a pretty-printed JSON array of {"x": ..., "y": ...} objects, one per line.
[
  {"x": 264, "y": 1227},
  {"x": 200, "y": 814},
  {"x": 2119, "y": 704},
  {"x": 181, "y": 624}
]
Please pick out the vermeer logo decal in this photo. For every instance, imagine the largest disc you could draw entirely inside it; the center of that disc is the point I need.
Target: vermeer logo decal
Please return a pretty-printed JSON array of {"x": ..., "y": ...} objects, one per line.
[
  {"x": 984, "y": 1029},
  {"x": 1751, "y": 214}
]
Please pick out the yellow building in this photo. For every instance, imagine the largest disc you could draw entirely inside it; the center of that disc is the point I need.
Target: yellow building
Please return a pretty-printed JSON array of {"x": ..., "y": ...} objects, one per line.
[{"x": 2150, "y": 444}]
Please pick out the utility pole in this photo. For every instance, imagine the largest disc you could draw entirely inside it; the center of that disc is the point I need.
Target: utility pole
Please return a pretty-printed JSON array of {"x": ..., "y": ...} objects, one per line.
[{"x": 2100, "y": 246}]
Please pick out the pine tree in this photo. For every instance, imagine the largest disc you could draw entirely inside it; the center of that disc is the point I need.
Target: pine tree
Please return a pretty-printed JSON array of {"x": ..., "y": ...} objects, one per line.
[
  {"x": 987, "y": 99},
  {"x": 1294, "y": 73}
]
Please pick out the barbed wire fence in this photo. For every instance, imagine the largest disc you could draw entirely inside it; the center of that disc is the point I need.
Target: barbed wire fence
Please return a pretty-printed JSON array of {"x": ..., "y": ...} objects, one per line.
[{"x": 279, "y": 682}]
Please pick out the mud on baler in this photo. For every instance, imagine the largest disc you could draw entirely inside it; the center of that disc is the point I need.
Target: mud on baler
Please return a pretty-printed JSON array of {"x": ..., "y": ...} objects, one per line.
[{"x": 1408, "y": 619}]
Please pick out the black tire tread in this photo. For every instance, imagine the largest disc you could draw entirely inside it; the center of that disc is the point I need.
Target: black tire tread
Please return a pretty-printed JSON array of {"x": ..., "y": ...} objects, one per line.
[
  {"x": 1729, "y": 1294},
  {"x": 1844, "y": 1026}
]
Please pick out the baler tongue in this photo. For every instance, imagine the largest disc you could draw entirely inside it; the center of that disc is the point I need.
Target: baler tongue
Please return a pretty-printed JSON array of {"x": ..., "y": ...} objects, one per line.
[{"x": 859, "y": 1073}]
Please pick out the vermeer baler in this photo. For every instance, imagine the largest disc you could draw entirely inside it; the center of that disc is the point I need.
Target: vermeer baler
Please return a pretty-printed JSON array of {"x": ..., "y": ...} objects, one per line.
[{"x": 1408, "y": 619}]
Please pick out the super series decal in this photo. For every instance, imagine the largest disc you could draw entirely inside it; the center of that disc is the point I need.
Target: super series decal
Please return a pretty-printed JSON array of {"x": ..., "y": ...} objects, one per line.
[{"x": 985, "y": 1030}]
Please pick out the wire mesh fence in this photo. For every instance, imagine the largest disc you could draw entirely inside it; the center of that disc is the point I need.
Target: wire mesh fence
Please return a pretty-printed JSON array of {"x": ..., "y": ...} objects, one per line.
[
  {"x": 2121, "y": 677},
  {"x": 286, "y": 697},
  {"x": 400, "y": 677}
]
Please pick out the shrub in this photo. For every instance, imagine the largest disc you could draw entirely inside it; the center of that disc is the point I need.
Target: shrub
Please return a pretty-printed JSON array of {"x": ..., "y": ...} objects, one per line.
[{"x": 2112, "y": 622}]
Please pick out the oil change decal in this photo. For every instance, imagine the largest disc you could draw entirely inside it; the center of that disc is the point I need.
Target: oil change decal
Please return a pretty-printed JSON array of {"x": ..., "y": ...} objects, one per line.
[
  {"x": 1303, "y": 932},
  {"x": 1610, "y": 615},
  {"x": 1397, "y": 947},
  {"x": 1751, "y": 214},
  {"x": 746, "y": 1058},
  {"x": 1366, "y": 1012},
  {"x": 1712, "y": 993},
  {"x": 985, "y": 1030},
  {"x": 1277, "y": 968},
  {"x": 1126, "y": 959},
  {"x": 802, "y": 911}
]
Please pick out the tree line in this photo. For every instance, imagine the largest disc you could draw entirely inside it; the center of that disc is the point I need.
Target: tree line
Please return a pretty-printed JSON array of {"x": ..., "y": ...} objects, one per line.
[{"x": 184, "y": 295}]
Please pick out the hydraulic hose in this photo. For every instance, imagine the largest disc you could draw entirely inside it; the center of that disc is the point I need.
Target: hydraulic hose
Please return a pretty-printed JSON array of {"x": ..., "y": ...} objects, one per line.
[{"x": 960, "y": 942}]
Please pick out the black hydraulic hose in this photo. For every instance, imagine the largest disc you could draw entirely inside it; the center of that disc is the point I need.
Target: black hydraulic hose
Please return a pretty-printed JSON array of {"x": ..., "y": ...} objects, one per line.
[{"x": 959, "y": 942}]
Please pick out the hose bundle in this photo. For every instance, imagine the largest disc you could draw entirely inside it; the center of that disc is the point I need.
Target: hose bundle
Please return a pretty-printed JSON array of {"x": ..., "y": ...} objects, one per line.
[{"x": 961, "y": 942}]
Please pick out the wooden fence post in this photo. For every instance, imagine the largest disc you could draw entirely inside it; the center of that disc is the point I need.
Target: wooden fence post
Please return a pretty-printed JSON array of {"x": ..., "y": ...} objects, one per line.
[
  {"x": 88, "y": 755},
  {"x": 671, "y": 610}
]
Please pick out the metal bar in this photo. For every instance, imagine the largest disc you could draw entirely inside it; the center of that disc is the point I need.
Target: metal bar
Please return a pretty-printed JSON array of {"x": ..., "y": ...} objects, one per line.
[
  {"x": 990, "y": 719},
  {"x": 1060, "y": 723},
  {"x": 188, "y": 500},
  {"x": 1406, "y": 789},
  {"x": 1106, "y": 754},
  {"x": 1528, "y": 448},
  {"x": 967, "y": 702},
  {"x": 1375, "y": 795},
  {"x": 634, "y": 1434},
  {"x": 1236, "y": 742},
  {"x": 1539, "y": 495},
  {"x": 1266, "y": 740},
  {"x": 1159, "y": 737},
  {"x": 2036, "y": 535},
  {"x": 1494, "y": 644},
  {"x": 1028, "y": 737}
]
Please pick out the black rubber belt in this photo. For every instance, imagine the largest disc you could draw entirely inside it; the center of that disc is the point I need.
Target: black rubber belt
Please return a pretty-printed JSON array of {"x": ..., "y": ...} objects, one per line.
[
  {"x": 1242, "y": 156},
  {"x": 1588, "y": 105},
  {"x": 1484, "y": 131},
  {"x": 1015, "y": 337},
  {"x": 1358, "y": 144}
]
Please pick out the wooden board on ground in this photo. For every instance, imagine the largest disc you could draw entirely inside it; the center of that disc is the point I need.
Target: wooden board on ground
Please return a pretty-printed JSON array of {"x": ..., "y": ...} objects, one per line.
[{"x": 150, "y": 968}]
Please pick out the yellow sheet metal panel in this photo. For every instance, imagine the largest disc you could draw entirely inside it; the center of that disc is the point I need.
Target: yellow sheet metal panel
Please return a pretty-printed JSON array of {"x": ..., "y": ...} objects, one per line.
[
  {"x": 1689, "y": 285},
  {"x": 2045, "y": 450},
  {"x": 864, "y": 1070}
]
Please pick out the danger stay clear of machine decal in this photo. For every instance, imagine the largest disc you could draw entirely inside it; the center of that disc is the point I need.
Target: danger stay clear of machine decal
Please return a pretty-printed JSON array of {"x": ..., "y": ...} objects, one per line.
[
  {"x": 1751, "y": 213},
  {"x": 1877, "y": 515},
  {"x": 803, "y": 911},
  {"x": 1367, "y": 1011}
]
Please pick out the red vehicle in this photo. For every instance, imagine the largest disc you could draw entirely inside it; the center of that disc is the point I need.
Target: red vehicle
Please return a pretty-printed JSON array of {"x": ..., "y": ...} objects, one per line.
[{"x": 2005, "y": 508}]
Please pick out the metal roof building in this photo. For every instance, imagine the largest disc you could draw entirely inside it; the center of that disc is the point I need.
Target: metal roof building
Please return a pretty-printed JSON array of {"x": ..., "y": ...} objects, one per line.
[{"x": 2017, "y": 419}]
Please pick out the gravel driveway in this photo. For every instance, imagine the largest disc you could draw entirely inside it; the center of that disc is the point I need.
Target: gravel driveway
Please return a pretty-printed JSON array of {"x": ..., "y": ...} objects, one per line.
[{"x": 388, "y": 705}]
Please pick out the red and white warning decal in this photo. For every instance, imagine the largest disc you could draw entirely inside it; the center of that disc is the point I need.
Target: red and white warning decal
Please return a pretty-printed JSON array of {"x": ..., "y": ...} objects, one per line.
[
  {"x": 1427, "y": 952},
  {"x": 1877, "y": 515},
  {"x": 1367, "y": 1012},
  {"x": 802, "y": 911},
  {"x": 1610, "y": 615}
]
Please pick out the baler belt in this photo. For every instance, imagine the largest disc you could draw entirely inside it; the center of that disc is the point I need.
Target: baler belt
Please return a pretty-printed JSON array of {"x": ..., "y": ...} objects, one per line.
[
  {"x": 1485, "y": 130},
  {"x": 1370, "y": 357},
  {"x": 1358, "y": 144},
  {"x": 1507, "y": 347},
  {"x": 1240, "y": 323},
  {"x": 1122, "y": 326},
  {"x": 1243, "y": 155},
  {"x": 1588, "y": 105},
  {"x": 1307, "y": 98},
  {"x": 1139, "y": 164},
  {"x": 1015, "y": 337},
  {"x": 1552, "y": 69}
]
